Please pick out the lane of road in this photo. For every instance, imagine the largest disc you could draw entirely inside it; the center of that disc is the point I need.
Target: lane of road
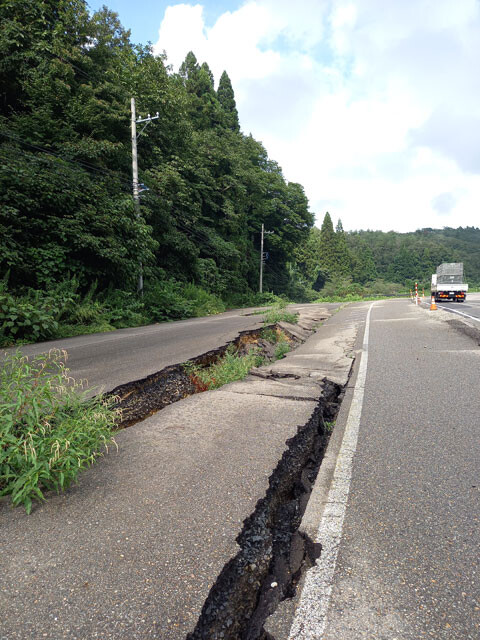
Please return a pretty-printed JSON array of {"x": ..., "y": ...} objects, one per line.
[
  {"x": 407, "y": 565},
  {"x": 107, "y": 360},
  {"x": 470, "y": 308}
]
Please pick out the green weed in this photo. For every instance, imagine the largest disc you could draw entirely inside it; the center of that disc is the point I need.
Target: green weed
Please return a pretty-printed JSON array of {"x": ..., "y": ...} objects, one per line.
[
  {"x": 282, "y": 349},
  {"x": 278, "y": 315},
  {"x": 270, "y": 335},
  {"x": 229, "y": 368},
  {"x": 329, "y": 427},
  {"x": 49, "y": 431}
]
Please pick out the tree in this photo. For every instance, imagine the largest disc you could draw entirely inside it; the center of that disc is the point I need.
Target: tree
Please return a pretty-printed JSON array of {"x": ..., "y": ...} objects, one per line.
[
  {"x": 226, "y": 98},
  {"x": 363, "y": 265},
  {"x": 203, "y": 105},
  {"x": 328, "y": 246},
  {"x": 342, "y": 254}
]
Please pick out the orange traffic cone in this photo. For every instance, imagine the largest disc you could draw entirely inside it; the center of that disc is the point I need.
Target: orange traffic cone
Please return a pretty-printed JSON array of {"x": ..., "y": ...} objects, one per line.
[{"x": 433, "y": 306}]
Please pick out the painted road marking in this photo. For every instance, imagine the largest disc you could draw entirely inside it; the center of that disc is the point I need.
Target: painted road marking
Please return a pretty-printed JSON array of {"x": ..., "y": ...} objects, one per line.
[
  {"x": 460, "y": 313},
  {"x": 311, "y": 615}
]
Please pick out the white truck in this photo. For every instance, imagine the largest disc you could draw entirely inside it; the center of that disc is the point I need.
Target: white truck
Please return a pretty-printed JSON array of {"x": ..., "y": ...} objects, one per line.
[{"x": 448, "y": 282}]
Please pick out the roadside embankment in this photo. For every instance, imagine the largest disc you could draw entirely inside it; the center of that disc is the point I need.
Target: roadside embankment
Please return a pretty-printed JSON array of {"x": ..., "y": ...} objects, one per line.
[{"x": 191, "y": 526}]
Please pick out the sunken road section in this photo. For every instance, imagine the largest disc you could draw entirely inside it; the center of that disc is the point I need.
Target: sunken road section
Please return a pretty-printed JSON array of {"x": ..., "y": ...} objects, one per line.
[{"x": 142, "y": 398}]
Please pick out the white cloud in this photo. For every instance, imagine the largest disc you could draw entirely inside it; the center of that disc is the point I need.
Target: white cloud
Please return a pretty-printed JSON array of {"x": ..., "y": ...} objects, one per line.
[{"x": 373, "y": 105}]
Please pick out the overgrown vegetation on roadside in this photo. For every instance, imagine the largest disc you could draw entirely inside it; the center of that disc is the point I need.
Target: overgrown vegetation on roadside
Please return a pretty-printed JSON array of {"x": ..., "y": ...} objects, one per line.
[
  {"x": 229, "y": 368},
  {"x": 278, "y": 313},
  {"x": 66, "y": 311},
  {"x": 49, "y": 430},
  {"x": 233, "y": 366}
]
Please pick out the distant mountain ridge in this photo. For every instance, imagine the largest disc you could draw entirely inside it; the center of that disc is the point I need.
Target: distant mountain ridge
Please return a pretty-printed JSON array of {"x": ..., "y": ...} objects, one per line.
[{"x": 403, "y": 257}]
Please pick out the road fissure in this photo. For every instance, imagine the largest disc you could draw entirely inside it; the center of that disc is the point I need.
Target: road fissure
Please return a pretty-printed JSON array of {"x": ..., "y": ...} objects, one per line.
[
  {"x": 272, "y": 553},
  {"x": 142, "y": 398}
]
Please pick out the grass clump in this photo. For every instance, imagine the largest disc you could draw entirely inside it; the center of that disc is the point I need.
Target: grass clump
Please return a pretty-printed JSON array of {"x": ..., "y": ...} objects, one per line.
[
  {"x": 270, "y": 335},
  {"x": 229, "y": 368},
  {"x": 278, "y": 338},
  {"x": 278, "y": 313},
  {"x": 49, "y": 431},
  {"x": 282, "y": 349}
]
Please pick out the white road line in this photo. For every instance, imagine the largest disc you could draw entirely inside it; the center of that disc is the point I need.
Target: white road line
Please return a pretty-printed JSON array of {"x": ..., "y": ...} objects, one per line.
[
  {"x": 311, "y": 615},
  {"x": 460, "y": 313}
]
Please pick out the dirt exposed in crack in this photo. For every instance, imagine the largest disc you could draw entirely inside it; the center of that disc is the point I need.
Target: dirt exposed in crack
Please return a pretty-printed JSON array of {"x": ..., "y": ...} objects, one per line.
[
  {"x": 272, "y": 553},
  {"x": 142, "y": 398}
]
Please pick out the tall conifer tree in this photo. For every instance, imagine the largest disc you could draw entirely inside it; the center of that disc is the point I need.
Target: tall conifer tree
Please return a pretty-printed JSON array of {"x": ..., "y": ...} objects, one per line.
[
  {"x": 328, "y": 244},
  {"x": 226, "y": 98},
  {"x": 343, "y": 259}
]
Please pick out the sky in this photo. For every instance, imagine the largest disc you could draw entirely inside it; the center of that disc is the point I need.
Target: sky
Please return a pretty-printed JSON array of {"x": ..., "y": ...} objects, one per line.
[{"x": 372, "y": 105}]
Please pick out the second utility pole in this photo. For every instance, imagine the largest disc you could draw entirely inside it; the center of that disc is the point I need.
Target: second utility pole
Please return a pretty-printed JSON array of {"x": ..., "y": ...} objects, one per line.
[
  {"x": 261, "y": 259},
  {"x": 262, "y": 255}
]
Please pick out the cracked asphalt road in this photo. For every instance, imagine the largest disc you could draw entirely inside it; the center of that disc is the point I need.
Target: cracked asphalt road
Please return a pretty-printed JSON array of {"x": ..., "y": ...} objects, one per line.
[
  {"x": 110, "y": 359},
  {"x": 407, "y": 565},
  {"x": 132, "y": 550}
]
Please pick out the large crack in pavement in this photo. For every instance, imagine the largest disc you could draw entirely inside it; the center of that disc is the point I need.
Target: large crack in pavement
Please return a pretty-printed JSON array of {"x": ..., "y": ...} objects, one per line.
[
  {"x": 275, "y": 550},
  {"x": 142, "y": 398},
  {"x": 272, "y": 553}
]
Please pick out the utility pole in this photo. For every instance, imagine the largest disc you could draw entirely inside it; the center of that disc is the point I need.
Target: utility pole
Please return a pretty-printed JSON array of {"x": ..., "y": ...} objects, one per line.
[
  {"x": 136, "y": 195},
  {"x": 136, "y": 191},
  {"x": 262, "y": 255}
]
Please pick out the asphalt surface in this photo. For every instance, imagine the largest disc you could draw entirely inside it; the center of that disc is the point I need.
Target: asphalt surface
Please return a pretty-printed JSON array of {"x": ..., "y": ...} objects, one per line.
[
  {"x": 471, "y": 306},
  {"x": 107, "y": 360},
  {"x": 407, "y": 565},
  {"x": 132, "y": 550}
]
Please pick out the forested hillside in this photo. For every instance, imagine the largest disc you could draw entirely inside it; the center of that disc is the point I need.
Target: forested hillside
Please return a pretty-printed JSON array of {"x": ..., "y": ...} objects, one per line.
[
  {"x": 403, "y": 257},
  {"x": 72, "y": 244},
  {"x": 65, "y": 176},
  {"x": 334, "y": 261}
]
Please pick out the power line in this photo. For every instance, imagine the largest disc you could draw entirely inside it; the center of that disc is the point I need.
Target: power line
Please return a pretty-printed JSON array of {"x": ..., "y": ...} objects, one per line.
[
  {"x": 81, "y": 163},
  {"x": 198, "y": 235},
  {"x": 59, "y": 169}
]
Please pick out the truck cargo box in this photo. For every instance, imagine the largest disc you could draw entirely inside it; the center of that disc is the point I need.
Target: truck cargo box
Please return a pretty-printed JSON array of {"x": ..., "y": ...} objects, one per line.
[
  {"x": 449, "y": 279},
  {"x": 450, "y": 268}
]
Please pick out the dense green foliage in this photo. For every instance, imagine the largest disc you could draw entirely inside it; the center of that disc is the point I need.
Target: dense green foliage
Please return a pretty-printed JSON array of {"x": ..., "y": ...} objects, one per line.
[
  {"x": 410, "y": 257},
  {"x": 48, "y": 430},
  {"x": 370, "y": 263},
  {"x": 66, "y": 207},
  {"x": 71, "y": 242}
]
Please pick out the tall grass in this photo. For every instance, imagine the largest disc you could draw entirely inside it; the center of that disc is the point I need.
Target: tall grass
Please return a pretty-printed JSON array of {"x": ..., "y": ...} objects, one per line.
[
  {"x": 227, "y": 369},
  {"x": 49, "y": 431}
]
